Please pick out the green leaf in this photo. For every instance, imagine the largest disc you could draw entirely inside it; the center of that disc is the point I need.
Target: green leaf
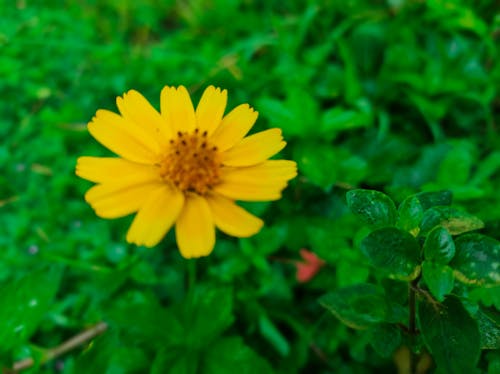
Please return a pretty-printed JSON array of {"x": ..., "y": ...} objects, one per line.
[
  {"x": 231, "y": 355},
  {"x": 477, "y": 260},
  {"x": 373, "y": 207},
  {"x": 439, "y": 278},
  {"x": 271, "y": 333},
  {"x": 455, "y": 168},
  {"x": 489, "y": 327},
  {"x": 358, "y": 306},
  {"x": 23, "y": 304},
  {"x": 439, "y": 246},
  {"x": 176, "y": 361},
  {"x": 451, "y": 335},
  {"x": 206, "y": 314},
  {"x": 435, "y": 198},
  {"x": 95, "y": 358},
  {"x": 340, "y": 119},
  {"x": 454, "y": 220},
  {"x": 385, "y": 338},
  {"x": 410, "y": 214},
  {"x": 394, "y": 251},
  {"x": 318, "y": 162},
  {"x": 127, "y": 360},
  {"x": 150, "y": 320},
  {"x": 106, "y": 354}
]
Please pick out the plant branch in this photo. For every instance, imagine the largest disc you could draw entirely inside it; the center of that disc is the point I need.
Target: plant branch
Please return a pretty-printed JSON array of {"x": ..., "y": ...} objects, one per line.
[{"x": 68, "y": 345}]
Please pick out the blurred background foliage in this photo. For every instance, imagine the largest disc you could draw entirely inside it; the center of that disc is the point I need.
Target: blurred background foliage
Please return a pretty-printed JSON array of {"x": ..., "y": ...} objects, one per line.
[{"x": 399, "y": 96}]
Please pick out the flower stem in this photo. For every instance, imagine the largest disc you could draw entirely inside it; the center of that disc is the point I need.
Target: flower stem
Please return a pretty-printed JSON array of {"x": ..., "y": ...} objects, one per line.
[{"x": 191, "y": 274}]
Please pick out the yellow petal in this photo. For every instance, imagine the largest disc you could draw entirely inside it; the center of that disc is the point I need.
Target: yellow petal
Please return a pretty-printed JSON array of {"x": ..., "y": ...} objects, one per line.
[
  {"x": 177, "y": 109},
  {"x": 122, "y": 137},
  {"x": 266, "y": 173},
  {"x": 233, "y": 219},
  {"x": 195, "y": 230},
  {"x": 254, "y": 149},
  {"x": 113, "y": 200},
  {"x": 261, "y": 182},
  {"x": 109, "y": 169},
  {"x": 245, "y": 192},
  {"x": 156, "y": 216},
  {"x": 135, "y": 108},
  {"x": 234, "y": 126},
  {"x": 210, "y": 109}
]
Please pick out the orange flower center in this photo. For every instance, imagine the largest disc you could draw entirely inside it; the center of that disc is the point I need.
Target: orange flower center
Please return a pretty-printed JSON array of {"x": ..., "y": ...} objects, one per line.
[{"x": 191, "y": 163}]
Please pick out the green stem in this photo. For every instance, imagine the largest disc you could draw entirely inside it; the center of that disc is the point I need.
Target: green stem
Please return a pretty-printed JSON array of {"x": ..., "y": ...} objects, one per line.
[
  {"x": 412, "y": 327},
  {"x": 191, "y": 274}
]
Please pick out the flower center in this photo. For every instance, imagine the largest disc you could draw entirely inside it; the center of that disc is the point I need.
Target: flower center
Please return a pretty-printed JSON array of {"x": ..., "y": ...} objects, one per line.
[{"x": 191, "y": 163}]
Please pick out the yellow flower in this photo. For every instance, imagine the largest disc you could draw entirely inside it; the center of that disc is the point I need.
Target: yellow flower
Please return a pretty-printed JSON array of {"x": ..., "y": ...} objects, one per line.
[{"x": 184, "y": 167}]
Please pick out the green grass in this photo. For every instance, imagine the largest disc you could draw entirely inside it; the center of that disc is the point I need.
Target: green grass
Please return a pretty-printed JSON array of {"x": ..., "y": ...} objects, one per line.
[{"x": 398, "y": 96}]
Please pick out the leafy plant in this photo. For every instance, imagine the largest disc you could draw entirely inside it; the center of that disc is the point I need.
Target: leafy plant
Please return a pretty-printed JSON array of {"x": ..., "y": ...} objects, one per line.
[{"x": 427, "y": 244}]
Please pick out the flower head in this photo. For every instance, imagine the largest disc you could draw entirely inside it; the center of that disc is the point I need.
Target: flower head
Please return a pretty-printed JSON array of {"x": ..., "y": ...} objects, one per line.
[{"x": 183, "y": 167}]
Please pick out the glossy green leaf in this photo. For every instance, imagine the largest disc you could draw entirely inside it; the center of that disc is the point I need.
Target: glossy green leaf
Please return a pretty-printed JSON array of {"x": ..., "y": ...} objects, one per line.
[
  {"x": 488, "y": 320},
  {"x": 450, "y": 334},
  {"x": 477, "y": 260},
  {"x": 439, "y": 278},
  {"x": 410, "y": 214},
  {"x": 24, "y": 303},
  {"x": 358, "y": 306},
  {"x": 454, "y": 220},
  {"x": 373, "y": 207},
  {"x": 435, "y": 198},
  {"x": 385, "y": 338},
  {"x": 394, "y": 251},
  {"x": 439, "y": 246},
  {"x": 231, "y": 355}
]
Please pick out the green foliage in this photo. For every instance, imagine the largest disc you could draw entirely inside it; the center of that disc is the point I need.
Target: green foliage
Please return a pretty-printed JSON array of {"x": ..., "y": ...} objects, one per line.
[
  {"x": 385, "y": 339},
  {"x": 395, "y": 96},
  {"x": 23, "y": 304},
  {"x": 439, "y": 278},
  {"x": 410, "y": 213},
  {"x": 375, "y": 208},
  {"x": 451, "y": 335},
  {"x": 358, "y": 306},
  {"x": 439, "y": 246},
  {"x": 477, "y": 260},
  {"x": 417, "y": 246},
  {"x": 455, "y": 221},
  {"x": 489, "y": 327}
]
